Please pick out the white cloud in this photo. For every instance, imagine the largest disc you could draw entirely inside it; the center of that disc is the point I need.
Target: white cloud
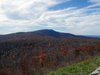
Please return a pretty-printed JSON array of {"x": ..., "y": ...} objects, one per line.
[
  {"x": 77, "y": 21},
  {"x": 22, "y": 15}
]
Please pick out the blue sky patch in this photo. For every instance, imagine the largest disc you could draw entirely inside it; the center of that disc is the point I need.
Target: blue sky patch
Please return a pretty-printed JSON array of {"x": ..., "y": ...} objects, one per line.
[{"x": 72, "y": 3}]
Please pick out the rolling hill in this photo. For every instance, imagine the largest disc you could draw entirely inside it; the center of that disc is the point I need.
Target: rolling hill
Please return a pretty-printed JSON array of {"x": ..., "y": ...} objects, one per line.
[
  {"x": 37, "y": 52},
  {"x": 43, "y": 33}
]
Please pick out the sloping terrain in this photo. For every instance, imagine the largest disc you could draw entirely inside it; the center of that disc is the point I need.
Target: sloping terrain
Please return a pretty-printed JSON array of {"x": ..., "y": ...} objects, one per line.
[
  {"x": 36, "y": 53},
  {"x": 44, "y": 33},
  {"x": 81, "y": 68}
]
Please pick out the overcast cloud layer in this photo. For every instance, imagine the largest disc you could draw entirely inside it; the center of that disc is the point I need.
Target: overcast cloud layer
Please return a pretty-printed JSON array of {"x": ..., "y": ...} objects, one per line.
[{"x": 70, "y": 16}]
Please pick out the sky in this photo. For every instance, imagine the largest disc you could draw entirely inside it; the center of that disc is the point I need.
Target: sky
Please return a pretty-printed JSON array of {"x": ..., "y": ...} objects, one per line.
[{"x": 81, "y": 17}]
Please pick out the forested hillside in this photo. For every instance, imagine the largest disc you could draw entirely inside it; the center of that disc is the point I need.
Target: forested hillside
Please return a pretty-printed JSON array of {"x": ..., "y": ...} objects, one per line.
[
  {"x": 85, "y": 67},
  {"x": 36, "y": 53}
]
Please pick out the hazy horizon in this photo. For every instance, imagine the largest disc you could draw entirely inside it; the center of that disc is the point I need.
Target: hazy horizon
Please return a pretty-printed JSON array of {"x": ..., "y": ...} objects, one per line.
[{"x": 80, "y": 17}]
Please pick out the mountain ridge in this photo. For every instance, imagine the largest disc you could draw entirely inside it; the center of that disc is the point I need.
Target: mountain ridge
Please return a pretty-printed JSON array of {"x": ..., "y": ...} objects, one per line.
[{"x": 41, "y": 33}]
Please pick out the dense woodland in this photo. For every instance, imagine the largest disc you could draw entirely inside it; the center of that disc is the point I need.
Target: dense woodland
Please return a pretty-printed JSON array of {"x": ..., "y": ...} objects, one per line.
[{"x": 40, "y": 54}]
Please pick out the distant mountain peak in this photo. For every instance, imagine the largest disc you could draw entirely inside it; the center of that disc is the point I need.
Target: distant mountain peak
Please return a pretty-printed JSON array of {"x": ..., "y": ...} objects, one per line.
[
  {"x": 39, "y": 33},
  {"x": 53, "y": 33},
  {"x": 45, "y": 30}
]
